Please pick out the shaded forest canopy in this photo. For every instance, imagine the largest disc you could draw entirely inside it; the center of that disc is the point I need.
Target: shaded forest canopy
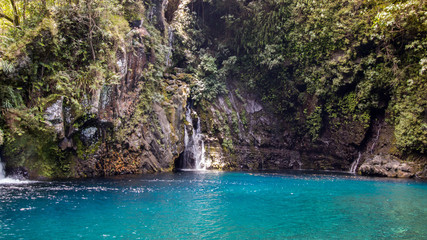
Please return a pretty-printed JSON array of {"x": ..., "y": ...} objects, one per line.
[{"x": 315, "y": 63}]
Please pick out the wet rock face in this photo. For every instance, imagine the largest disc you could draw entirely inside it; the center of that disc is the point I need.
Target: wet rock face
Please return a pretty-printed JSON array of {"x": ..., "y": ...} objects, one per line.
[
  {"x": 244, "y": 134},
  {"x": 387, "y": 167},
  {"x": 241, "y": 135}
]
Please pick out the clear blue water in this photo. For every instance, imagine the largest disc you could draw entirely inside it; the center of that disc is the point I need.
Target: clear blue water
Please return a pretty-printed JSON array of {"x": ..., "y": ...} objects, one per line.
[{"x": 216, "y": 205}]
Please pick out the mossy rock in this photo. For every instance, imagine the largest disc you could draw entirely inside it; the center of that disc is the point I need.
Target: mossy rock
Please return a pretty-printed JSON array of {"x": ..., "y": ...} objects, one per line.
[{"x": 38, "y": 154}]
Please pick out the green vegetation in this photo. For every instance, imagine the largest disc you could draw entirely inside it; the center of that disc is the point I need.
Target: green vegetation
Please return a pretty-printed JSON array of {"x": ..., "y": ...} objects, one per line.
[
  {"x": 63, "y": 49},
  {"x": 351, "y": 59},
  {"x": 315, "y": 63},
  {"x": 52, "y": 49},
  {"x": 314, "y": 123},
  {"x": 37, "y": 150}
]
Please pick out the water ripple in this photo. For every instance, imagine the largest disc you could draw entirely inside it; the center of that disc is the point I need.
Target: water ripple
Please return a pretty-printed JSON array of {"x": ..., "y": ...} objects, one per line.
[{"x": 216, "y": 205}]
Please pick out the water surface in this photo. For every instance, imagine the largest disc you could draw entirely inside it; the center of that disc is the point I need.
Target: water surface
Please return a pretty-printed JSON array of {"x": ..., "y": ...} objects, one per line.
[{"x": 214, "y": 205}]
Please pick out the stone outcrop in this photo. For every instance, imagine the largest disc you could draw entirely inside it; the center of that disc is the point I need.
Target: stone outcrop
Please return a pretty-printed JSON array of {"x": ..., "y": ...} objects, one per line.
[
  {"x": 132, "y": 134},
  {"x": 54, "y": 117},
  {"x": 243, "y": 134},
  {"x": 387, "y": 166}
]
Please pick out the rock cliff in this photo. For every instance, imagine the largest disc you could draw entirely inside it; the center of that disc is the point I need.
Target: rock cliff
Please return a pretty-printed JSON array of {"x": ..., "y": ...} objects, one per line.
[{"x": 136, "y": 124}]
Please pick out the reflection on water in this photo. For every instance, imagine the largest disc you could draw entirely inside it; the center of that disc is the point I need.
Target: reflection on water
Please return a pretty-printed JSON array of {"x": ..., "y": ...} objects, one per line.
[{"x": 199, "y": 205}]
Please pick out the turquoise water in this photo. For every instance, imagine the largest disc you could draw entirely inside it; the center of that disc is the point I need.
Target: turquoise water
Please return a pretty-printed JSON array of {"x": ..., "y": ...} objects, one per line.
[{"x": 214, "y": 205}]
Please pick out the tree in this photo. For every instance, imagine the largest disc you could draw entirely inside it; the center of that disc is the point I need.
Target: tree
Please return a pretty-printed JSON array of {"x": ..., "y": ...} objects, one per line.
[{"x": 11, "y": 13}]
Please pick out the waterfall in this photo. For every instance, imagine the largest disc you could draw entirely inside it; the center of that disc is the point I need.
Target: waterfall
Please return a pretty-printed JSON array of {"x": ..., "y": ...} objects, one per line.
[
  {"x": 170, "y": 47},
  {"x": 10, "y": 180},
  {"x": 376, "y": 139},
  {"x": 355, "y": 163},
  {"x": 2, "y": 174},
  {"x": 194, "y": 152}
]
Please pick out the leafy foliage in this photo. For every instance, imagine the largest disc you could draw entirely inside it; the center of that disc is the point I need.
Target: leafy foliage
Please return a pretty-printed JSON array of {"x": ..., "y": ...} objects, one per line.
[
  {"x": 351, "y": 58},
  {"x": 210, "y": 80},
  {"x": 54, "y": 49}
]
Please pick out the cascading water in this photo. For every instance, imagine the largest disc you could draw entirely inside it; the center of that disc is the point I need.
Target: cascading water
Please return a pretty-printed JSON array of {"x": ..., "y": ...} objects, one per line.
[
  {"x": 376, "y": 139},
  {"x": 355, "y": 163},
  {"x": 194, "y": 152},
  {"x": 170, "y": 47},
  {"x": 3, "y": 178},
  {"x": 2, "y": 175},
  {"x": 9, "y": 180}
]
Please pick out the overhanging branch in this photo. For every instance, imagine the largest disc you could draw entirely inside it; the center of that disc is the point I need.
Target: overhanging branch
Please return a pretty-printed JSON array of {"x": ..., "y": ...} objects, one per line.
[{"x": 6, "y": 17}]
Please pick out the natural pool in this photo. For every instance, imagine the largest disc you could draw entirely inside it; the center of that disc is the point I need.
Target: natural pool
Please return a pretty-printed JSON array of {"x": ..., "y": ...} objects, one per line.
[{"x": 213, "y": 205}]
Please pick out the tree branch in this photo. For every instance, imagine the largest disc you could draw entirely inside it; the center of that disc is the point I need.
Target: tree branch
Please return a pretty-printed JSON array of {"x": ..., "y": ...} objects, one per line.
[{"x": 6, "y": 17}]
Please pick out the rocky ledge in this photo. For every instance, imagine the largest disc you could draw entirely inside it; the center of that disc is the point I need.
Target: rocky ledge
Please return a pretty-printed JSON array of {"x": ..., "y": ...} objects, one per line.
[{"x": 388, "y": 166}]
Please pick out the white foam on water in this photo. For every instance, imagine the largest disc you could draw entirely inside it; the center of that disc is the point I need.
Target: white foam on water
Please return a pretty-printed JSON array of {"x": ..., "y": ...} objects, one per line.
[
  {"x": 15, "y": 181},
  {"x": 192, "y": 170},
  {"x": 5, "y": 180}
]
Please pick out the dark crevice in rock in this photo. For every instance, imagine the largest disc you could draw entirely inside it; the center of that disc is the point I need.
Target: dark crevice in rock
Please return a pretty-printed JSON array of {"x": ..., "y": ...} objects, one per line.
[
  {"x": 170, "y": 9},
  {"x": 368, "y": 135},
  {"x": 377, "y": 119},
  {"x": 179, "y": 162}
]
